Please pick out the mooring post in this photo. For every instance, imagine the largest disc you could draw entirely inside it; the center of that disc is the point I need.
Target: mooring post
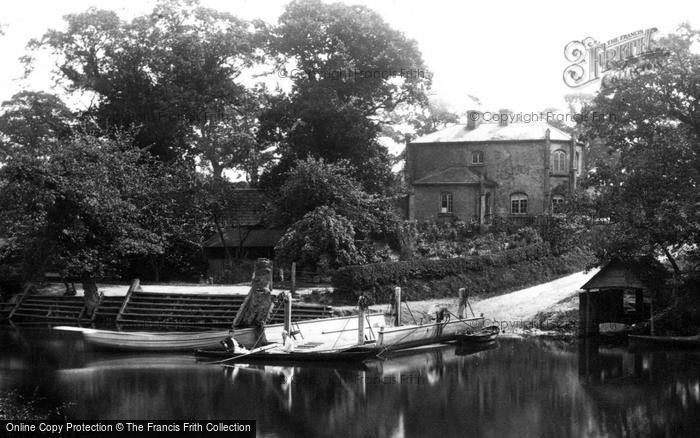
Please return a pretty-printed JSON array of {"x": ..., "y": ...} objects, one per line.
[
  {"x": 288, "y": 312},
  {"x": 361, "y": 326},
  {"x": 294, "y": 277},
  {"x": 397, "y": 297},
  {"x": 462, "y": 302},
  {"x": 256, "y": 307}
]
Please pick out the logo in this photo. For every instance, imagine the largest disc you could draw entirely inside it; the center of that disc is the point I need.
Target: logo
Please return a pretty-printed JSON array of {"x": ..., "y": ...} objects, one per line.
[{"x": 590, "y": 60}]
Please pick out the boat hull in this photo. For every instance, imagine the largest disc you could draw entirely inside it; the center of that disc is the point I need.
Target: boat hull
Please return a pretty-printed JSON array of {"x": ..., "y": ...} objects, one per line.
[
  {"x": 661, "y": 342},
  {"x": 396, "y": 338},
  {"x": 341, "y": 332},
  {"x": 153, "y": 341},
  {"x": 488, "y": 334}
]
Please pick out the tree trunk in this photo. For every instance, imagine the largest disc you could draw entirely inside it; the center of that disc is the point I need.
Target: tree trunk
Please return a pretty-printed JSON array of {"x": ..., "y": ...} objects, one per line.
[
  {"x": 256, "y": 308},
  {"x": 676, "y": 270},
  {"x": 156, "y": 269},
  {"x": 91, "y": 294},
  {"x": 222, "y": 239}
]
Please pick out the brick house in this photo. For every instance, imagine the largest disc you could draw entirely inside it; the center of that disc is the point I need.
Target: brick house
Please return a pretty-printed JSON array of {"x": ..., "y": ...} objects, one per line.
[{"x": 475, "y": 171}]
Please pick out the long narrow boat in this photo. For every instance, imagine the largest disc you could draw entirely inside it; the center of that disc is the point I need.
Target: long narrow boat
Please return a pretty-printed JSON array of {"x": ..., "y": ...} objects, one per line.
[
  {"x": 337, "y": 330},
  {"x": 406, "y": 336},
  {"x": 148, "y": 340},
  {"x": 672, "y": 342},
  {"x": 487, "y": 334}
]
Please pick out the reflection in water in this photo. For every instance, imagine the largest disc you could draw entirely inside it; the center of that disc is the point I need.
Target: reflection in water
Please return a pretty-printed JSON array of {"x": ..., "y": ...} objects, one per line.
[
  {"x": 530, "y": 387},
  {"x": 655, "y": 394}
]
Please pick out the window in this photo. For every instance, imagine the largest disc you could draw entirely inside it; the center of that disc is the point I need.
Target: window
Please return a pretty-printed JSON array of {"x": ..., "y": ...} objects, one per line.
[
  {"x": 557, "y": 204},
  {"x": 478, "y": 157},
  {"x": 559, "y": 161},
  {"x": 446, "y": 202},
  {"x": 518, "y": 203},
  {"x": 577, "y": 162}
]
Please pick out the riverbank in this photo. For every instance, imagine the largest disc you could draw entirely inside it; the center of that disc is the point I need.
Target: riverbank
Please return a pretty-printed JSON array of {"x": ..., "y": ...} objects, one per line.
[{"x": 548, "y": 308}]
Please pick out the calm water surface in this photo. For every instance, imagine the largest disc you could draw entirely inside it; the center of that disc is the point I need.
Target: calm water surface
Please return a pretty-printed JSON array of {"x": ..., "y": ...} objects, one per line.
[{"x": 522, "y": 388}]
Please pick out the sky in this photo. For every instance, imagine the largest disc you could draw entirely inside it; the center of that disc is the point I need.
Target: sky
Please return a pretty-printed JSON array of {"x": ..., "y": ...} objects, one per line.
[{"x": 508, "y": 54}]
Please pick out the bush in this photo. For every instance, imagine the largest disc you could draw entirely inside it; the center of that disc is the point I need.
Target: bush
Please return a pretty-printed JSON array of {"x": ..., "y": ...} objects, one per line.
[
  {"x": 372, "y": 277},
  {"x": 321, "y": 240},
  {"x": 457, "y": 239}
]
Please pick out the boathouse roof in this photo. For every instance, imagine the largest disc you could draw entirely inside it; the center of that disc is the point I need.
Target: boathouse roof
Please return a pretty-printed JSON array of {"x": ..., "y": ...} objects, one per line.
[{"x": 616, "y": 274}]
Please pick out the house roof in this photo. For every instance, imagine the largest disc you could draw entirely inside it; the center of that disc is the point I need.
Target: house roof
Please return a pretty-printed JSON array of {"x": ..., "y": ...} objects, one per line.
[
  {"x": 248, "y": 207},
  {"x": 486, "y": 132},
  {"x": 614, "y": 275},
  {"x": 454, "y": 175},
  {"x": 252, "y": 238}
]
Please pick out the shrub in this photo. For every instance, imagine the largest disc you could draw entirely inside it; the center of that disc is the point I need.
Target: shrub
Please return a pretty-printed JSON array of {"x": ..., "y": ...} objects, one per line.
[
  {"x": 350, "y": 279},
  {"x": 481, "y": 276},
  {"x": 321, "y": 240}
]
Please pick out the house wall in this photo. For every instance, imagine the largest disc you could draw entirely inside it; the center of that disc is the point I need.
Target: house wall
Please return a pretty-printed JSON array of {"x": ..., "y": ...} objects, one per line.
[
  {"x": 426, "y": 202},
  {"x": 514, "y": 166}
]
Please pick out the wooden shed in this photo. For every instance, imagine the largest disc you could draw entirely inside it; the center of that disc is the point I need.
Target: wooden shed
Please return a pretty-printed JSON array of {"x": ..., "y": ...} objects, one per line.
[{"x": 602, "y": 298}]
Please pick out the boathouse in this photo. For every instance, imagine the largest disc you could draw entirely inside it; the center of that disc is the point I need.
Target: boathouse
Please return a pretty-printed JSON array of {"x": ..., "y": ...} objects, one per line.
[{"x": 603, "y": 297}]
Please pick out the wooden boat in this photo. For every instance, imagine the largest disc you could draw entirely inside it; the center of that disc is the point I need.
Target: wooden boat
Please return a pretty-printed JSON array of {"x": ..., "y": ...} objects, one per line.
[
  {"x": 340, "y": 330},
  {"x": 486, "y": 334},
  {"x": 412, "y": 335},
  {"x": 670, "y": 342},
  {"x": 357, "y": 341},
  {"x": 148, "y": 340}
]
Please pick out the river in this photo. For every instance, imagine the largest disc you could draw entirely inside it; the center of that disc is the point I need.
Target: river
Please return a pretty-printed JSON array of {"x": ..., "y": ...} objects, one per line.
[{"x": 525, "y": 387}]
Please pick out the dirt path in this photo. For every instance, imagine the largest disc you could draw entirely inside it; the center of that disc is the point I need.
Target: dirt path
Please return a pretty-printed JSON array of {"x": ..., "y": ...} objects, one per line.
[
  {"x": 524, "y": 304},
  {"x": 513, "y": 308}
]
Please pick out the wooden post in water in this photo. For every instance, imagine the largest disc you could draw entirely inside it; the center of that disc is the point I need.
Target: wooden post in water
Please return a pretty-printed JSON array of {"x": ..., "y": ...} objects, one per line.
[
  {"x": 397, "y": 297},
  {"x": 294, "y": 278},
  {"x": 362, "y": 305},
  {"x": 462, "y": 302},
  {"x": 361, "y": 326},
  {"x": 257, "y": 304},
  {"x": 288, "y": 312}
]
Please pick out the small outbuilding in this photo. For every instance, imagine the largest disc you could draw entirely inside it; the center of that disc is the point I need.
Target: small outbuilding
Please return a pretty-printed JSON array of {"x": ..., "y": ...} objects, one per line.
[{"x": 603, "y": 296}]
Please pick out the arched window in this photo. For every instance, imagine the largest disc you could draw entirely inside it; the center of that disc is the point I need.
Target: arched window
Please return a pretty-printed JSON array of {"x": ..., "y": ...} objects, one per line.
[
  {"x": 445, "y": 202},
  {"x": 478, "y": 157},
  {"x": 559, "y": 161},
  {"x": 557, "y": 203},
  {"x": 518, "y": 203},
  {"x": 577, "y": 162}
]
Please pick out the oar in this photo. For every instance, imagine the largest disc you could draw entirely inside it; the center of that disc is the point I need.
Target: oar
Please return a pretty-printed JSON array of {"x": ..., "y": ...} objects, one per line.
[{"x": 255, "y": 350}]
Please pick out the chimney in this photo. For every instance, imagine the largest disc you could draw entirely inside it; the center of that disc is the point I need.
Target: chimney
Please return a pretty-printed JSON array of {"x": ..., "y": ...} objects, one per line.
[
  {"x": 503, "y": 117},
  {"x": 474, "y": 119}
]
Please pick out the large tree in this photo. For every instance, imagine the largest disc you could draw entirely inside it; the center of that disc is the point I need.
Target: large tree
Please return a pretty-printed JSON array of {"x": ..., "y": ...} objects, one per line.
[
  {"x": 349, "y": 69},
  {"x": 30, "y": 121},
  {"x": 167, "y": 74},
  {"x": 87, "y": 206},
  {"x": 649, "y": 193},
  {"x": 324, "y": 199}
]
